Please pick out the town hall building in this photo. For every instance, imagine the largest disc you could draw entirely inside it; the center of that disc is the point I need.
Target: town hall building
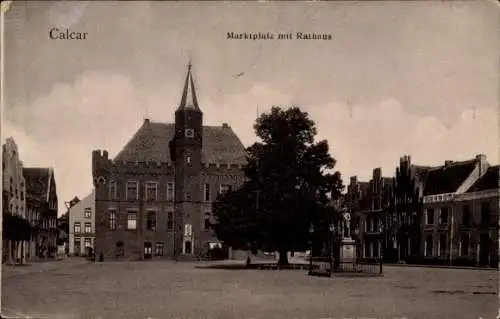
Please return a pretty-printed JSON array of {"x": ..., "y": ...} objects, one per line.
[{"x": 154, "y": 198}]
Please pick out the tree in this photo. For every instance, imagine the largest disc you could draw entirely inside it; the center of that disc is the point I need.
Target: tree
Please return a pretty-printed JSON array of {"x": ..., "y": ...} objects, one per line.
[
  {"x": 286, "y": 188},
  {"x": 16, "y": 230}
]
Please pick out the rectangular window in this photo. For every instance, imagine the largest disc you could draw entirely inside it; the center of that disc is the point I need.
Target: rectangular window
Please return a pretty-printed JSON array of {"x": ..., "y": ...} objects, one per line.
[
  {"x": 485, "y": 213},
  {"x": 429, "y": 216},
  {"x": 170, "y": 192},
  {"x": 132, "y": 220},
  {"x": 466, "y": 215},
  {"x": 188, "y": 230},
  {"x": 87, "y": 242},
  {"x": 151, "y": 188},
  {"x": 444, "y": 215},
  {"x": 112, "y": 190},
  {"x": 77, "y": 228},
  {"x": 207, "y": 193},
  {"x": 207, "y": 221},
  {"x": 159, "y": 249},
  {"x": 151, "y": 220},
  {"x": 170, "y": 220},
  {"x": 132, "y": 190},
  {"x": 88, "y": 228},
  {"x": 224, "y": 188},
  {"x": 87, "y": 212},
  {"x": 112, "y": 219}
]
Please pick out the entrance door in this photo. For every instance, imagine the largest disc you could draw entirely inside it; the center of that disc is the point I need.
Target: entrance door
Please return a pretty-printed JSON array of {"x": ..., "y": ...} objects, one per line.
[
  {"x": 484, "y": 249},
  {"x": 148, "y": 250},
  {"x": 187, "y": 247}
]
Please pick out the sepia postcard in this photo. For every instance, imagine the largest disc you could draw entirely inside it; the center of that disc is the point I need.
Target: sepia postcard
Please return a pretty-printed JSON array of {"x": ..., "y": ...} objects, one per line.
[{"x": 250, "y": 159}]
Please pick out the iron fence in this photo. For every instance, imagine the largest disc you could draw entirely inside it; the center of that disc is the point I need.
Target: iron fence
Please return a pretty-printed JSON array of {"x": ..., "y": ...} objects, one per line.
[{"x": 326, "y": 266}]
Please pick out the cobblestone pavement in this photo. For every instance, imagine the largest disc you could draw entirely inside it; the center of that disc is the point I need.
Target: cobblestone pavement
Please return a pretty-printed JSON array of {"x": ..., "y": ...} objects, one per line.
[
  {"x": 166, "y": 289},
  {"x": 9, "y": 271}
]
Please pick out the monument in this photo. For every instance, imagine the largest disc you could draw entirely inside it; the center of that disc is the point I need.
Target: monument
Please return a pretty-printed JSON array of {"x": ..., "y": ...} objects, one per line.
[{"x": 348, "y": 251}]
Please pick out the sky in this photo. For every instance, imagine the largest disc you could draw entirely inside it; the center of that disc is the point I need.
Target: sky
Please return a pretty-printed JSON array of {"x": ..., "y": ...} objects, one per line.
[{"x": 396, "y": 78}]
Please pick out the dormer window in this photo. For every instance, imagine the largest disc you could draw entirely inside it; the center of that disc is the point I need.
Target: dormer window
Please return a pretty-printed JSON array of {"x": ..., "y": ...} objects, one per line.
[{"x": 189, "y": 133}]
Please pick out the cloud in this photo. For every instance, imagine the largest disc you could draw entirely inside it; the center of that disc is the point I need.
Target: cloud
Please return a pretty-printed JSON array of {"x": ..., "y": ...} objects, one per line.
[
  {"x": 65, "y": 15},
  {"x": 101, "y": 110}
]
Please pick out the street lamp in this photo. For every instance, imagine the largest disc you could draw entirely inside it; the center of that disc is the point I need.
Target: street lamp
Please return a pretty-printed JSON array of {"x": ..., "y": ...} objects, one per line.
[
  {"x": 332, "y": 230},
  {"x": 311, "y": 232}
]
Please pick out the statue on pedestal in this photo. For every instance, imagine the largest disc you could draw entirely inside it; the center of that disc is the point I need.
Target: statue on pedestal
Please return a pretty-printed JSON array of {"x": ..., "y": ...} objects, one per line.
[{"x": 346, "y": 224}]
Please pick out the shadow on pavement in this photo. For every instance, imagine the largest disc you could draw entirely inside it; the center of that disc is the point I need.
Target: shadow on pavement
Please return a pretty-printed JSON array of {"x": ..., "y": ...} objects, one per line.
[{"x": 258, "y": 266}]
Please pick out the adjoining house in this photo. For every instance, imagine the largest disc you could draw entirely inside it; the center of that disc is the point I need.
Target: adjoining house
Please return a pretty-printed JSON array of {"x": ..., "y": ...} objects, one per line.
[
  {"x": 14, "y": 199},
  {"x": 42, "y": 208},
  {"x": 475, "y": 223},
  {"x": 370, "y": 211},
  {"x": 446, "y": 214},
  {"x": 461, "y": 212},
  {"x": 82, "y": 227},
  {"x": 154, "y": 198}
]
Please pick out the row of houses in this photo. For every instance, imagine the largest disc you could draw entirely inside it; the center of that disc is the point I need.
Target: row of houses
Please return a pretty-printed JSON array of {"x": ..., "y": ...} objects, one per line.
[
  {"x": 154, "y": 198},
  {"x": 446, "y": 214},
  {"x": 29, "y": 209}
]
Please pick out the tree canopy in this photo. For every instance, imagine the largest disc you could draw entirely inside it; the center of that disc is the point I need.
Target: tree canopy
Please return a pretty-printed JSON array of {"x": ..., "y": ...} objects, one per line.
[
  {"x": 16, "y": 228},
  {"x": 288, "y": 185}
]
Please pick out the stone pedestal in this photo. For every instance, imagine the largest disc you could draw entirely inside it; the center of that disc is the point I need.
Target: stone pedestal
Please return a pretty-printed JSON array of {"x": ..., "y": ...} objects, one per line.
[{"x": 348, "y": 250}]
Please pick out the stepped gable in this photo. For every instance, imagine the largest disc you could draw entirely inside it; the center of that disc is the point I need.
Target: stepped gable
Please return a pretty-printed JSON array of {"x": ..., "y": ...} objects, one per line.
[
  {"x": 490, "y": 180},
  {"x": 447, "y": 178},
  {"x": 151, "y": 144}
]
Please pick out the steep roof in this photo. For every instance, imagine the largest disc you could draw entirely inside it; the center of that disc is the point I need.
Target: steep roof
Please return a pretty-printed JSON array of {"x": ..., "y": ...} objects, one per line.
[
  {"x": 447, "y": 178},
  {"x": 37, "y": 181},
  {"x": 490, "y": 180},
  {"x": 421, "y": 171},
  {"x": 189, "y": 100},
  {"x": 151, "y": 143}
]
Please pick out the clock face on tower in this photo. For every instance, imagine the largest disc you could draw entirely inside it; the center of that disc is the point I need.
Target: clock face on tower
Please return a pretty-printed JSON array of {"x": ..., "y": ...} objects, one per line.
[{"x": 189, "y": 133}]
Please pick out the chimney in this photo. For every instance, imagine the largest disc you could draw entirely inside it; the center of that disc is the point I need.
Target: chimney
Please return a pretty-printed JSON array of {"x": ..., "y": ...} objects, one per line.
[
  {"x": 225, "y": 125},
  {"x": 483, "y": 164},
  {"x": 377, "y": 173},
  {"x": 480, "y": 157},
  {"x": 447, "y": 163},
  {"x": 146, "y": 121}
]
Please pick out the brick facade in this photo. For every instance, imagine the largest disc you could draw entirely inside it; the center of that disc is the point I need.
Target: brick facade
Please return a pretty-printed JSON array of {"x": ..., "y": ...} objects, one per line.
[{"x": 180, "y": 159}]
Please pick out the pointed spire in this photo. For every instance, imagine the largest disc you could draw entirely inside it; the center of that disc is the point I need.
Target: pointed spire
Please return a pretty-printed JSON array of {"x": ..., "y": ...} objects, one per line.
[{"x": 189, "y": 100}]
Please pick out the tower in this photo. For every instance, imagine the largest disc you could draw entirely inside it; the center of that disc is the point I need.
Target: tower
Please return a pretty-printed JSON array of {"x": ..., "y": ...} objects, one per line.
[{"x": 186, "y": 153}]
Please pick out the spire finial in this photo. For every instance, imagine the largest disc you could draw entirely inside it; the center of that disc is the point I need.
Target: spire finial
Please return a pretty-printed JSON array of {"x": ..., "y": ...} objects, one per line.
[{"x": 189, "y": 100}]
